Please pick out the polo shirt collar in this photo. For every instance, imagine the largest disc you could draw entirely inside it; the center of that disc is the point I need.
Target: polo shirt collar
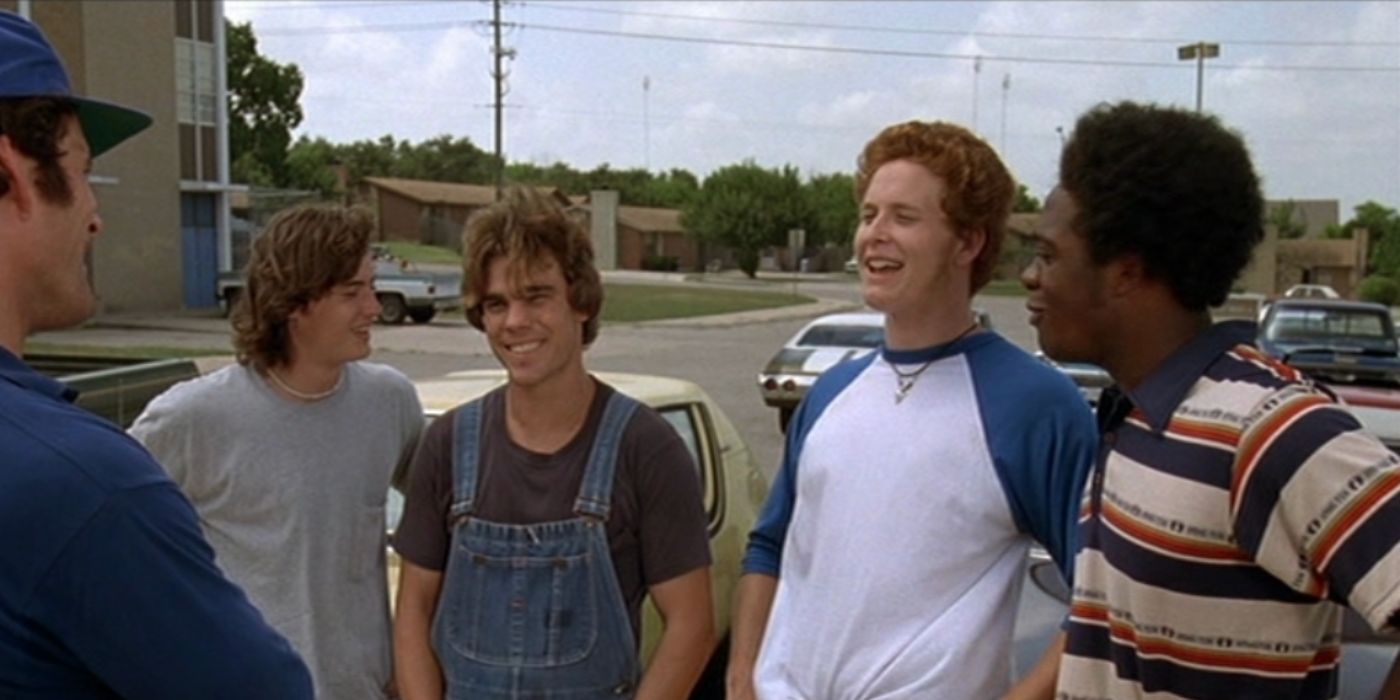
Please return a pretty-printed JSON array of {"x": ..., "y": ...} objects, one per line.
[
  {"x": 15, "y": 371},
  {"x": 1165, "y": 388}
]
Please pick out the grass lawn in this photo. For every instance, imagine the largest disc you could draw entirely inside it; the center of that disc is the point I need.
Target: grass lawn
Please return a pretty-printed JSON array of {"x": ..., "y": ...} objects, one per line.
[
  {"x": 1004, "y": 288},
  {"x": 646, "y": 302},
  {"x": 419, "y": 253}
]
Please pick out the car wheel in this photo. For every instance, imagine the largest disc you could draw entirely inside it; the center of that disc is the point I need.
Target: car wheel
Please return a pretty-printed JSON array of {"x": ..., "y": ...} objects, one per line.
[
  {"x": 392, "y": 309},
  {"x": 422, "y": 315},
  {"x": 228, "y": 301},
  {"x": 784, "y": 417}
]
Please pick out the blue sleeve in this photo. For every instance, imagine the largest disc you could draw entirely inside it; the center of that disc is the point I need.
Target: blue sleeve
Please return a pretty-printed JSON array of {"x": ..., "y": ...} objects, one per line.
[
  {"x": 1043, "y": 440},
  {"x": 137, "y": 599},
  {"x": 765, "y": 550}
]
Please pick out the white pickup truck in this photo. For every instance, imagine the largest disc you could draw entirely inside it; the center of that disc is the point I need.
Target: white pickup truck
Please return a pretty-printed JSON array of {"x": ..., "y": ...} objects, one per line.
[{"x": 403, "y": 291}]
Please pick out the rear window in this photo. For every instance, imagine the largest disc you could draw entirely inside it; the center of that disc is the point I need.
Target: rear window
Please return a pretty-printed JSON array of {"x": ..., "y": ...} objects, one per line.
[
  {"x": 842, "y": 336},
  {"x": 1318, "y": 324}
]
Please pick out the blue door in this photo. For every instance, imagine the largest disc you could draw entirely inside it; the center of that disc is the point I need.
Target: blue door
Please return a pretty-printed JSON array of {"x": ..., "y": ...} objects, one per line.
[{"x": 199, "y": 232}]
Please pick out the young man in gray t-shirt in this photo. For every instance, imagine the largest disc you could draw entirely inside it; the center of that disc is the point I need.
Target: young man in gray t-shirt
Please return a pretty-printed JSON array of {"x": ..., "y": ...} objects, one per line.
[
  {"x": 287, "y": 455},
  {"x": 540, "y": 515}
]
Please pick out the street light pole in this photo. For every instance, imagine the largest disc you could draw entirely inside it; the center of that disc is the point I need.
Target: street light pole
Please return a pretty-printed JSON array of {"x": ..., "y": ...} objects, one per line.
[
  {"x": 1198, "y": 52},
  {"x": 646, "y": 122}
]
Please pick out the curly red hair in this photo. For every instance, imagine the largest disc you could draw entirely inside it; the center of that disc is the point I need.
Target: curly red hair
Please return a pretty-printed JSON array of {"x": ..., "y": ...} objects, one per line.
[{"x": 979, "y": 190}]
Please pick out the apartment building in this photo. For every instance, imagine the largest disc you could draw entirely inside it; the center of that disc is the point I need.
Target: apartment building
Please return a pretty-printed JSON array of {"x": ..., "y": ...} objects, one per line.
[{"x": 164, "y": 193}]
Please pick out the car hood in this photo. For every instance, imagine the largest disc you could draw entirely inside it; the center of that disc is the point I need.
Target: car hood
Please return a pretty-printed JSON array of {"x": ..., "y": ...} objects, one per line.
[{"x": 811, "y": 360}]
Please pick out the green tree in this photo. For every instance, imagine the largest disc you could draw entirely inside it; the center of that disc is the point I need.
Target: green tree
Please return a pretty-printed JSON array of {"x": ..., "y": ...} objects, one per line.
[
  {"x": 309, "y": 164},
  {"x": 747, "y": 208},
  {"x": 1287, "y": 219},
  {"x": 832, "y": 211},
  {"x": 443, "y": 159},
  {"x": 1380, "y": 289},
  {"x": 673, "y": 190},
  {"x": 1025, "y": 203},
  {"x": 1382, "y": 224},
  {"x": 264, "y": 108}
]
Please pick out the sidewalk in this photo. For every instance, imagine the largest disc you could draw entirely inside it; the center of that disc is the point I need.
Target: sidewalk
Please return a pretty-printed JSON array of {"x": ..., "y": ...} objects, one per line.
[{"x": 206, "y": 331}]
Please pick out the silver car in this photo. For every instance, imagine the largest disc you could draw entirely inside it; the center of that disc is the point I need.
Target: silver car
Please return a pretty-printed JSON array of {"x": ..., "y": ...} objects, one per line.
[
  {"x": 816, "y": 348},
  {"x": 819, "y": 346}
]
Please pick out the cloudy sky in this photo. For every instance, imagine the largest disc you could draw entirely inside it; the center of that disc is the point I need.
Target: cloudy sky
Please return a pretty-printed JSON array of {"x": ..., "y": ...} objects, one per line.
[{"x": 1314, "y": 87}]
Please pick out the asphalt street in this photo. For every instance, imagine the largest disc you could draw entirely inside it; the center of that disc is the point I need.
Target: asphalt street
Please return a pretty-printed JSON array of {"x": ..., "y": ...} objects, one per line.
[{"x": 723, "y": 354}]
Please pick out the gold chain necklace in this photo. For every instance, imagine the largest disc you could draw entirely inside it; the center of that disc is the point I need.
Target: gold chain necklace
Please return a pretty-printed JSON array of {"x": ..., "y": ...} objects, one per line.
[
  {"x": 905, "y": 380},
  {"x": 304, "y": 396}
]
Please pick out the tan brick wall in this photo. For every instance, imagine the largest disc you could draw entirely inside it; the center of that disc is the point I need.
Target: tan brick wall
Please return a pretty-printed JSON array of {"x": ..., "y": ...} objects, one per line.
[{"x": 136, "y": 262}]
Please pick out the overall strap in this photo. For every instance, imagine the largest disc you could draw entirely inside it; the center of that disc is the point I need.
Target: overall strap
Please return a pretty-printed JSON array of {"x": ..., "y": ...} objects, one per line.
[
  {"x": 466, "y": 453},
  {"x": 595, "y": 494}
]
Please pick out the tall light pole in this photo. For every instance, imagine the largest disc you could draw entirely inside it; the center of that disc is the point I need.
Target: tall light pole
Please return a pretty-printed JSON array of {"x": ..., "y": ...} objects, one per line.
[
  {"x": 1005, "y": 88},
  {"x": 976, "y": 76},
  {"x": 646, "y": 121},
  {"x": 1198, "y": 52}
]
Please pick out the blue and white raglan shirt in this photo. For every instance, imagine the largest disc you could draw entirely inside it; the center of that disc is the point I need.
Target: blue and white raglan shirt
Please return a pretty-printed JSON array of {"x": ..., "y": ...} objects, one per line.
[{"x": 898, "y": 531}]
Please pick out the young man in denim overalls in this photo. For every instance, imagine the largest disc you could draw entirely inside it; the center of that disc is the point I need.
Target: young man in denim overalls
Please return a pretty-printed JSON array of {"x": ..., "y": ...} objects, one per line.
[{"x": 541, "y": 515}]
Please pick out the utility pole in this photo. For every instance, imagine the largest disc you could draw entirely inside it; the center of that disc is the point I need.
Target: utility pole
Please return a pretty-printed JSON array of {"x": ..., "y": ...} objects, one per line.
[
  {"x": 976, "y": 77},
  {"x": 1005, "y": 88},
  {"x": 646, "y": 122},
  {"x": 499, "y": 74}
]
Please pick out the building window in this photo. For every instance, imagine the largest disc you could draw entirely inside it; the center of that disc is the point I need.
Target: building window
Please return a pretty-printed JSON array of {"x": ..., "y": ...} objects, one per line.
[
  {"x": 196, "y": 86},
  {"x": 197, "y": 89}
]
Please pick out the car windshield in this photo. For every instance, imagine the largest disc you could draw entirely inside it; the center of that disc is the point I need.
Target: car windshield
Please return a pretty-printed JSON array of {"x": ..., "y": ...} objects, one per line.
[
  {"x": 1327, "y": 326},
  {"x": 845, "y": 336}
]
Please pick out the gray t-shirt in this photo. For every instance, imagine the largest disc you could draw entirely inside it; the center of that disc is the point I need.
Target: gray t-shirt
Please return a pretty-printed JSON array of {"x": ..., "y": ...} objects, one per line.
[
  {"x": 657, "y": 525},
  {"x": 291, "y": 496}
]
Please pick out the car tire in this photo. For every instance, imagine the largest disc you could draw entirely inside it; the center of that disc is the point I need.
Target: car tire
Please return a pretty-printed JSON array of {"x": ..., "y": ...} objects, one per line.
[
  {"x": 784, "y": 417},
  {"x": 711, "y": 685},
  {"x": 228, "y": 301},
  {"x": 422, "y": 315},
  {"x": 392, "y": 309}
]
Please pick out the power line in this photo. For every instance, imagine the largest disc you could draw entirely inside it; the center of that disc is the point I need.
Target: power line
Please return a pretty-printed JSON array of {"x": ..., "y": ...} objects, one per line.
[
  {"x": 373, "y": 28},
  {"x": 953, "y": 32},
  {"x": 849, "y": 50},
  {"x": 278, "y": 5},
  {"x": 933, "y": 54}
]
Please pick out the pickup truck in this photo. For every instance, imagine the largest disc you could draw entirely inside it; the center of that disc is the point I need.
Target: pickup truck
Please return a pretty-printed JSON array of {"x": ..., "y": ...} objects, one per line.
[
  {"x": 404, "y": 292},
  {"x": 1349, "y": 346},
  {"x": 119, "y": 389}
]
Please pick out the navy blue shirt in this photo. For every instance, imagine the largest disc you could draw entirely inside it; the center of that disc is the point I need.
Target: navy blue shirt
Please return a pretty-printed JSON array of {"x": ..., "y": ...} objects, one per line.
[{"x": 107, "y": 586}]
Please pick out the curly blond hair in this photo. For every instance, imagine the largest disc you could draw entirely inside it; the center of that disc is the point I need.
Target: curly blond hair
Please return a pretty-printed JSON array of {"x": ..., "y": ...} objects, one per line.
[
  {"x": 301, "y": 254},
  {"x": 978, "y": 189}
]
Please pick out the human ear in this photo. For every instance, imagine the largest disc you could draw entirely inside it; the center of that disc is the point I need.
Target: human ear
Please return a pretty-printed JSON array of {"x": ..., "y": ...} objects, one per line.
[
  {"x": 970, "y": 245},
  {"x": 19, "y": 172}
]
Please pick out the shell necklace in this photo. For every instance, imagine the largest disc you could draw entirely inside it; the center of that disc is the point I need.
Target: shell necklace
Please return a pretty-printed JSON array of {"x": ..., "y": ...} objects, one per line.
[
  {"x": 906, "y": 380},
  {"x": 306, "y": 396}
]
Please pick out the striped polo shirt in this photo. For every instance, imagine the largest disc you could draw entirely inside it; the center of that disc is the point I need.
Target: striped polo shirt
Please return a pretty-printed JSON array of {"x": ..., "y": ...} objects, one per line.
[{"x": 1234, "y": 507}]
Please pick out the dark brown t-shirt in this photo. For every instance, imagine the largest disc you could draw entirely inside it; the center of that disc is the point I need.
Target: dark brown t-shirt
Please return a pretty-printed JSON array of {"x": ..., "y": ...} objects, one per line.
[{"x": 656, "y": 528}]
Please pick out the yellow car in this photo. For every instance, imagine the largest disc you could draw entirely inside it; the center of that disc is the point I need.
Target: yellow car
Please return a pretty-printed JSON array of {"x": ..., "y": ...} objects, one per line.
[{"x": 734, "y": 487}]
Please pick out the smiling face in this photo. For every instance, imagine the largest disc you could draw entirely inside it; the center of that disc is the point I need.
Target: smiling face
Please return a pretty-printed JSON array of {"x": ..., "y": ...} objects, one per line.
[
  {"x": 1067, "y": 294},
  {"x": 533, "y": 330},
  {"x": 912, "y": 262},
  {"x": 335, "y": 327}
]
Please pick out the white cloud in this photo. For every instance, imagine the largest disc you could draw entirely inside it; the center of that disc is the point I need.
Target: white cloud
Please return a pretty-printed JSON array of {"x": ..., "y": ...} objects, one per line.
[{"x": 578, "y": 97}]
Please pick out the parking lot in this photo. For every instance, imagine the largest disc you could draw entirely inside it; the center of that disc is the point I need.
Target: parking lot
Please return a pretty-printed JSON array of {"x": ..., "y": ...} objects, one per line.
[{"x": 722, "y": 354}]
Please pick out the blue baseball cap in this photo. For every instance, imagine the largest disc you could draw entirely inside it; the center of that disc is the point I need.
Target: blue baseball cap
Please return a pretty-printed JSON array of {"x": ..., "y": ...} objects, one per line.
[{"x": 29, "y": 67}]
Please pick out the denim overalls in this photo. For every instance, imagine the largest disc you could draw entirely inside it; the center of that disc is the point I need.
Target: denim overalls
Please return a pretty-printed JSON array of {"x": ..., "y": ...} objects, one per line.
[{"x": 535, "y": 611}]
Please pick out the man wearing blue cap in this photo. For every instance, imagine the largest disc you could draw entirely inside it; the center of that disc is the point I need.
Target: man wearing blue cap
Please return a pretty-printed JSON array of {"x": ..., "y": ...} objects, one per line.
[{"x": 107, "y": 587}]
